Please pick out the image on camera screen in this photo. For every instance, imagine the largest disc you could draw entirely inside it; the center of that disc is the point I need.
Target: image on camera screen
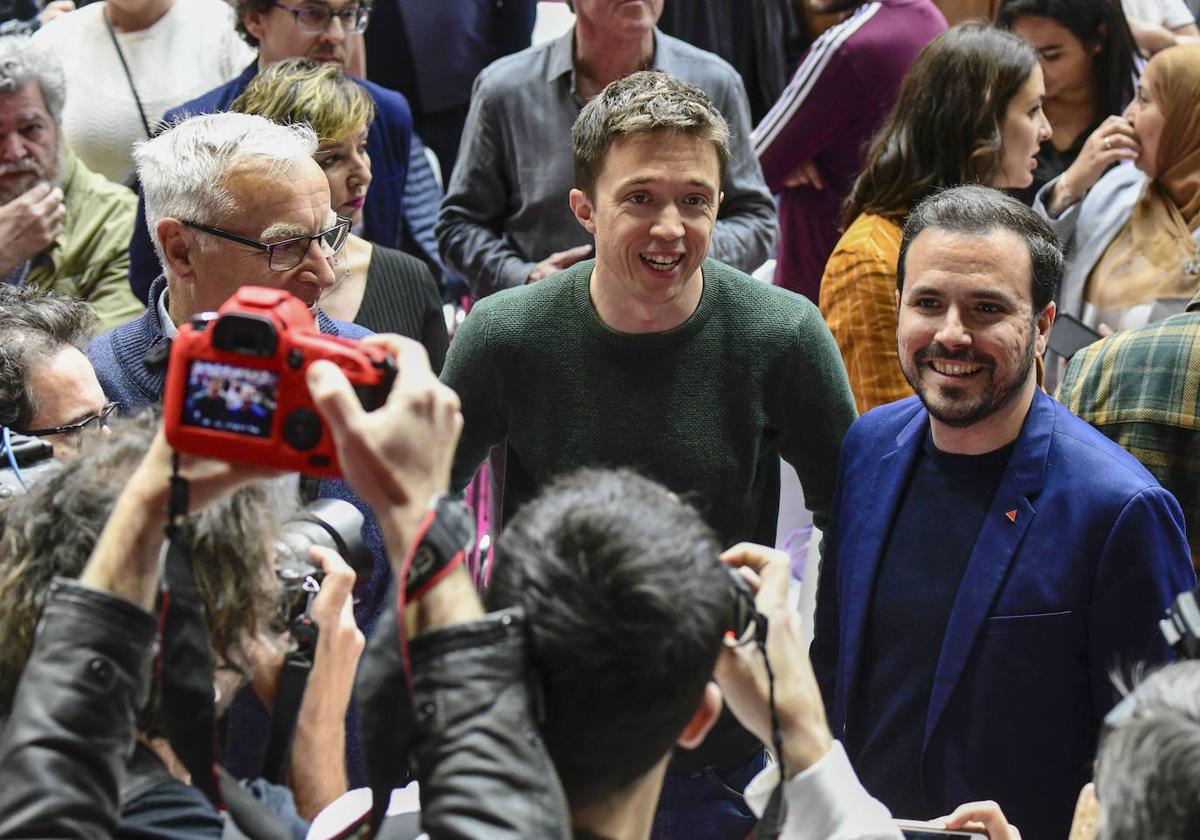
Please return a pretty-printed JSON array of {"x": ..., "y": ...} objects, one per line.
[{"x": 229, "y": 398}]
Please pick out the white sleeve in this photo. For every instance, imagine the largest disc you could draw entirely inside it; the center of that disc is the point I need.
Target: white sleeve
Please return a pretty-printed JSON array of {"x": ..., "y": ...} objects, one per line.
[
  {"x": 1175, "y": 13},
  {"x": 824, "y": 802}
]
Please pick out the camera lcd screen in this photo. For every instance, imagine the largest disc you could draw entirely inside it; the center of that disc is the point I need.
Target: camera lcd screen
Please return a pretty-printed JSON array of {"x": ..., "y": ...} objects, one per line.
[{"x": 229, "y": 398}]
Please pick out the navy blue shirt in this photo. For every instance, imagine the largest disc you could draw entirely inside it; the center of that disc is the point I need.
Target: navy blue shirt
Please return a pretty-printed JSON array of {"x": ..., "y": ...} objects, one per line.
[{"x": 936, "y": 527}]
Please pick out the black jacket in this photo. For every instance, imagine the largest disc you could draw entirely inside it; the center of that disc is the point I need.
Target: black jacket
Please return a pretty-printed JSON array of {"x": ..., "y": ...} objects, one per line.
[{"x": 483, "y": 770}]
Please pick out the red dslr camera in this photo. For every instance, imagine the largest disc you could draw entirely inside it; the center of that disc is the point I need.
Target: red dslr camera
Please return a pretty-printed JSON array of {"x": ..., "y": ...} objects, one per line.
[{"x": 236, "y": 391}]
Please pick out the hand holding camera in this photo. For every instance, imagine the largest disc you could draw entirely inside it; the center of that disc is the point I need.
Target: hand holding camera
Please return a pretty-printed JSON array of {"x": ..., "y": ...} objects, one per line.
[
  {"x": 742, "y": 674},
  {"x": 398, "y": 456},
  {"x": 236, "y": 386}
]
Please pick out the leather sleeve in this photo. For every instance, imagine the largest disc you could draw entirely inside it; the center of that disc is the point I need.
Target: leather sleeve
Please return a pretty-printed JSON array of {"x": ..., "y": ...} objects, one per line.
[
  {"x": 73, "y": 722},
  {"x": 483, "y": 768}
]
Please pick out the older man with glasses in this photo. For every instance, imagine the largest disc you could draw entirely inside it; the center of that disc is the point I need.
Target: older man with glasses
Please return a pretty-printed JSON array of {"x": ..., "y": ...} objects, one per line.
[
  {"x": 231, "y": 200},
  {"x": 235, "y": 200}
]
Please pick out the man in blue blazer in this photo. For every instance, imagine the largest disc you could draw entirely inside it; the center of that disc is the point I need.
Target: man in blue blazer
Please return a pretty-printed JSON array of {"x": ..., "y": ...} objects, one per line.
[{"x": 992, "y": 560}]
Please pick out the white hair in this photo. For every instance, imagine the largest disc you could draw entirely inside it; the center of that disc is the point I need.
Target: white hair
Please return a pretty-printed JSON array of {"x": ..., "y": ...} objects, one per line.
[
  {"x": 22, "y": 61},
  {"x": 182, "y": 170}
]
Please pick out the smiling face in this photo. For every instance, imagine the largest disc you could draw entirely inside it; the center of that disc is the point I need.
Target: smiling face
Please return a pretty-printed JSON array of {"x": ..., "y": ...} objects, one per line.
[
  {"x": 652, "y": 214},
  {"x": 1065, "y": 60},
  {"x": 347, "y": 167},
  {"x": 967, "y": 334},
  {"x": 1146, "y": 116},
  {"x": 1022, "y": 132},
  {"x": 29, "y": 141},
  {"x": 279, "y": 36},
  {"x": 274, "y": 206}
]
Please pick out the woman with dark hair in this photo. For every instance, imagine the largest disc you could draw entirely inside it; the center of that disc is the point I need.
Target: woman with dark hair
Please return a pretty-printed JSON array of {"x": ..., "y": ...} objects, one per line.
[
  {"x": 378, "y": 288},
  {"x": 1133, "y": 234},
  {"x": 1090, "y": 63},
  {"x": 969, "y": 112}
]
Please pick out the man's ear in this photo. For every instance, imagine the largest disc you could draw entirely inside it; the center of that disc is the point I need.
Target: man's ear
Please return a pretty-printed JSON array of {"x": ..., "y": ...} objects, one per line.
[
  {"x": 1044, "y": 323},
  {"x": 581, "y": 206},
  {"x": 703, "y": 718},
  {"x": 252, "y": 20},
  {"x": 179, "y": 249}
]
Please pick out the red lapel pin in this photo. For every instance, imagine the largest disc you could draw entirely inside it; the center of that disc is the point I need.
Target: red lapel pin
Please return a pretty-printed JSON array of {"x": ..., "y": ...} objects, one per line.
[{"x": 1012, "y": 516}]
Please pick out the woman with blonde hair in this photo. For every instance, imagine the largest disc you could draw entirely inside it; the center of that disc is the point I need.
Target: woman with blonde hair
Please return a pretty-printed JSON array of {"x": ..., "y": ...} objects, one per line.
[
  {"x": 378, "y": 288},
  {"x": 1133, "y": 233}
]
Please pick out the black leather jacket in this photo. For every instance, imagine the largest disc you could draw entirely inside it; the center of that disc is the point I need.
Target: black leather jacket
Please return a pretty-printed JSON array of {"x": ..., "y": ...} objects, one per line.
[
  {"x": 483, "y": 770},
  {"x": 73, "y": 722}
]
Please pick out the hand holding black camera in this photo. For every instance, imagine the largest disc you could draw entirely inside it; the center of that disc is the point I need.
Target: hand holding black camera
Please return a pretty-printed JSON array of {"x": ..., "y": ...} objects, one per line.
[
  {"x": 742, "y": 673},
  {"x": 397, "y": 457}
]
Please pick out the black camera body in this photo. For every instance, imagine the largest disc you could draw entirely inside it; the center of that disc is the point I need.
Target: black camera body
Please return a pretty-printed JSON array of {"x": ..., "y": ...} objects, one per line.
[
  {"x": 332, "y": 523},
  {"x": 1181, "y": 626}
]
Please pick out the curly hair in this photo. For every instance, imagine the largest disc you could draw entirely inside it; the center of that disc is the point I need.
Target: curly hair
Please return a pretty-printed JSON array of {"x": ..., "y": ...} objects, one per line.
[
  {"x": 945, "y": 127},
  {"x": 34, "y": 325},
  {"x": 51, "y": 531}
]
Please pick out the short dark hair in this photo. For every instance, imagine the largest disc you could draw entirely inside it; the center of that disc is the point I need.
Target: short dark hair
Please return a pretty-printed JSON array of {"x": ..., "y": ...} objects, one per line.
[
  {"x": 1148, "y": 768},
  {"x": 240, "y": 7},
  {"x": 51, "y": 530},
  {"x": 945, "y": 128},
  {"x": 1100, "y": 25},
  {"x": 34, "y": 325},
  {"x": 626, "y": 603},
  {"x": 981, "y": 210},
  {"x": 645, "y": 102}
]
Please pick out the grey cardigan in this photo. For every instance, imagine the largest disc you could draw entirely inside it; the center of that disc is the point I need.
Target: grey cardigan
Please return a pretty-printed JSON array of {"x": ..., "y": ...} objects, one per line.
[{"x": 1088, "y": 227}]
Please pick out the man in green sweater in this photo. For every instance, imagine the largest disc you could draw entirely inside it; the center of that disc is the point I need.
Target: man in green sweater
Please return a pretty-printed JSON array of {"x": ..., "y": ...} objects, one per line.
[{"x": 655, "y": 358}]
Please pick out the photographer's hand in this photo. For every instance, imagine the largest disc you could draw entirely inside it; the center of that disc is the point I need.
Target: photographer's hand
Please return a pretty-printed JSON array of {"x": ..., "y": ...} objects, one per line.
[
  {"x": 318, "y": 770},
  {"x": 125, "y": 560},
  {"x": 743, "y": 677},
  {"x": 397, "y": 457}
]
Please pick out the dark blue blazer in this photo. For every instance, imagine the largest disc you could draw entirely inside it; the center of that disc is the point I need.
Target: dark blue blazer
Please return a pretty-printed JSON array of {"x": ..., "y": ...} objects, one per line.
[
  {"x": 1077, "y": 559},
  {"x": 387, "y": 144}
]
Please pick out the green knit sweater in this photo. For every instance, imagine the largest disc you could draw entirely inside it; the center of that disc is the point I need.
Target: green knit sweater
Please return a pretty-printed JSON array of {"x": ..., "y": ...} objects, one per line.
[{"x": 706, "y": 409}]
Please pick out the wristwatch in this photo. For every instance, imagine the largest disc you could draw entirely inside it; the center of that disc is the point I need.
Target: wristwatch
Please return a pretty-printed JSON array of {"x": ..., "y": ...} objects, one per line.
[{"x": 447, "y": 532}]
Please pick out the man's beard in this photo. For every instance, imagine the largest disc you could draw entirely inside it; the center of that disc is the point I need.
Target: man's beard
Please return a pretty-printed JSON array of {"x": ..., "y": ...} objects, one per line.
[
  {"x": 953, "y": 405},
  {"x": 28, "y": 165}
]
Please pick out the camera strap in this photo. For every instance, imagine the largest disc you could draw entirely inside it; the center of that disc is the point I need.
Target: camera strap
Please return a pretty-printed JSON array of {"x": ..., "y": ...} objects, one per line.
[
  {"x": 384, "y": 685},
  {"x": 293, "y": 678},
  {"x": 185, "y": 664}
]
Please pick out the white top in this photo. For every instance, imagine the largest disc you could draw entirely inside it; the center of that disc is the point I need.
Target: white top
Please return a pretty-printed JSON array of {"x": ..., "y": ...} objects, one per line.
[
  {"x": 824, "y": 802},
  {"x": 1166, "y": 13},
  {"x": 190, "y": 50}
]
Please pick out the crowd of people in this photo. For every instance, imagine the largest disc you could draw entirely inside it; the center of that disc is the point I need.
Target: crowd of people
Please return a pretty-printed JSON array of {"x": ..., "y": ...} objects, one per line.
[{"x": 625, "y": 276}]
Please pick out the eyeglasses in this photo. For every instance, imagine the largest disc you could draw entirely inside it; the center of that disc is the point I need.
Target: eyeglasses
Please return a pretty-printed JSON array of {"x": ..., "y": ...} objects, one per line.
[
  {"x": 94, "y": 422},
  {"x": 314, "y": 20},
  {"x": 286, "y": 255}
]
